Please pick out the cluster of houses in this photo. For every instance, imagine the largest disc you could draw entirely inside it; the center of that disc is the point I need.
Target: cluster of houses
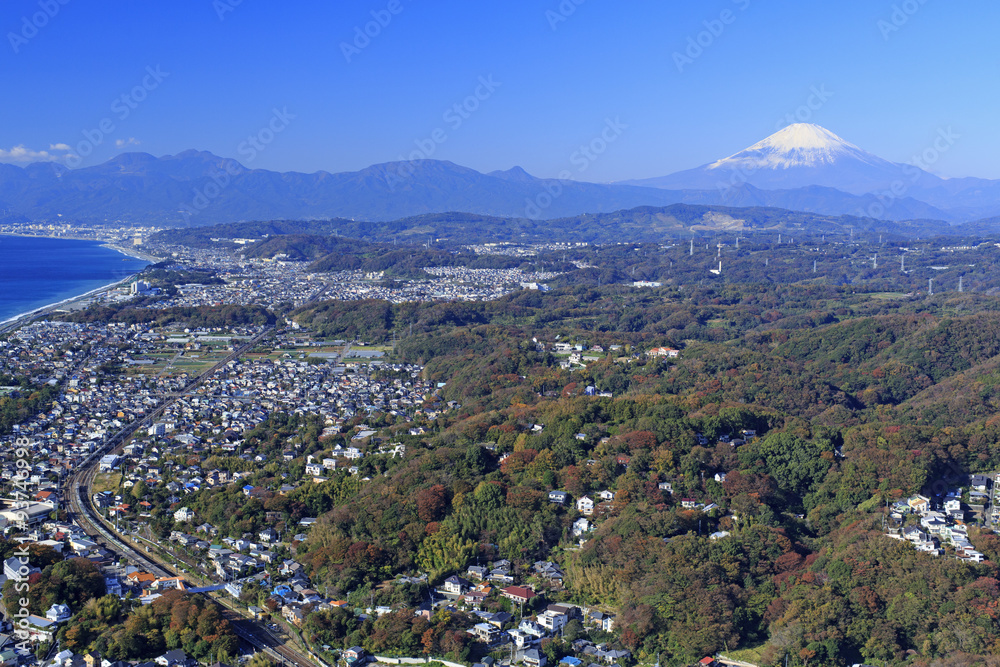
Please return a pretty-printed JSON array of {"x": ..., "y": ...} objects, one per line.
[
  {"x": 121, "y": 582},
  {"x": 496, "y": 629},
  {"x": 247, "y": 391},
  {"x": 525, "y": 636},
  {"x": 577, "y": 355},
  {"x": 295, "y": 595},
  {"x": 172, "y": 658},
  {"x": 93, "y": 402},
  {"x": 96, "y": 401},
  {"x": 945, "y": 523},
  {"x": 587, "y": 506},
  {"x": 246, "y": 282},
  {"x": 38, "y": 628},
  {"x": 271, "y": 281}
]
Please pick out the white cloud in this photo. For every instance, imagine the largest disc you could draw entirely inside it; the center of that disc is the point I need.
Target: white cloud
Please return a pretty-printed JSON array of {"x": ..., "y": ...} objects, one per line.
[
  {"x": 22, "y": 154},
  {"x": 131, "y": 141}
]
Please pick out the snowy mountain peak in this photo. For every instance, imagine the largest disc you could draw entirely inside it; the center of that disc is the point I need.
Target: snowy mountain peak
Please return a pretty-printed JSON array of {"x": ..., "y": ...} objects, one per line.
[
  {"x": 804, "y": 135},
  {"x": 798, "y": 145}
]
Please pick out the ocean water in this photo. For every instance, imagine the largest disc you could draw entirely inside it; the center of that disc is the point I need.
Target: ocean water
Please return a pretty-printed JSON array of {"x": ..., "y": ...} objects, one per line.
[{"x": 37, "y": 272}]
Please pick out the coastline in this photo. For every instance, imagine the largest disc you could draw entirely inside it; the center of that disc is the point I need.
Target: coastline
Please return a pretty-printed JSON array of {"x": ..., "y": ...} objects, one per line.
[
  {"x": 19, "y": 320},
  {"x": 24, "y": 318},
  {"x": 135, "y": 254}
]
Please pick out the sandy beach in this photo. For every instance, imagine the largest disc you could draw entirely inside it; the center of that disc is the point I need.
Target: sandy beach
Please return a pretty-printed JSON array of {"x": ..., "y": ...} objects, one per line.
[{"x": 23, "y": 318}]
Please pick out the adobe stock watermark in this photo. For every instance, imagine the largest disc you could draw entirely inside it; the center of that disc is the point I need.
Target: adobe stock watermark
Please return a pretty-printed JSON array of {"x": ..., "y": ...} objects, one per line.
[
  {"x": 581, "y": 158},
  {"x": 121, "y": 108},
  {"x": 223, "y": 7},
  {"x": 698, "y": 44},
  {"x": 561, "y": 13},
  {"x": 454, "y": 116},
  {"x": 30, "y": 25},
  {"x": 900, "y": 16},
  {"x": 249, "y": 149},
  {"x": 21, "y": 479},
  {"x": 363, "y": 36},
  {"x": 817, "y": 97},
  {"x": 912, "y": 171}
]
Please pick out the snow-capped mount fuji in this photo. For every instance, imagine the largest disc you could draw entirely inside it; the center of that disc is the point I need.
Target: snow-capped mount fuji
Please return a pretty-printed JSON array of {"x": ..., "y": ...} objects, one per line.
[
  {"x": 799, "y": 145},
  {"x": 797, "y": 156}
]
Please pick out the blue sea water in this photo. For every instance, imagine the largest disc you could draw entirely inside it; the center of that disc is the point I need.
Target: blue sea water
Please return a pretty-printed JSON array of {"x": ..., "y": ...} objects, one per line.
[{"x": 37, "y": 272}]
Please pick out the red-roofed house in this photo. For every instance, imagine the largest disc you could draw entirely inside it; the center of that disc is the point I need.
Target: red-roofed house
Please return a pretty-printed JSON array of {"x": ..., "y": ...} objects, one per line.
[
  {"x": 518, "y": 594},
  {"x": 143, "y": 579}
]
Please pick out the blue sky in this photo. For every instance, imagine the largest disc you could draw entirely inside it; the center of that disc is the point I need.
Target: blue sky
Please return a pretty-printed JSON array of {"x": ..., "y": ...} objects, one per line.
[{"x": 208, "y": 74}]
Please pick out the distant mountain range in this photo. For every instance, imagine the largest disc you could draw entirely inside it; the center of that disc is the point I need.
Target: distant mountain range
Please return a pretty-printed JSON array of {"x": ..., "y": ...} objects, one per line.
[
  {"x": 807, "y": 167},
  {"x": 801, "y": 168},
  {"x": 197, "y": 188}
]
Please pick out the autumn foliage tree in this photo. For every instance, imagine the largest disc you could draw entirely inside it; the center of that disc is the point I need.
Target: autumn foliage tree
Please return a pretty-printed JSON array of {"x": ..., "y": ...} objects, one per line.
[{"x": 432, "y": 502}]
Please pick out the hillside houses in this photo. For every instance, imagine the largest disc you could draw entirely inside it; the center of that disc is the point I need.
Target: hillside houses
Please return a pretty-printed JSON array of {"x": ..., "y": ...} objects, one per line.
[{"x": 944, "y": 525}]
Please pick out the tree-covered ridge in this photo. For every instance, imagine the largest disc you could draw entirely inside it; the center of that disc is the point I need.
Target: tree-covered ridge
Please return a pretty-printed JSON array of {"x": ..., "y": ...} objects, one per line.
[
  {"x": 126, "y": 630},
  {"x": 838, "y": 385},
  {"x": 224, "y": 317},
  {"x": 23, "y": 401},
  {"x": 337, "y": 253},
  {"x": 639, "y": 224}
]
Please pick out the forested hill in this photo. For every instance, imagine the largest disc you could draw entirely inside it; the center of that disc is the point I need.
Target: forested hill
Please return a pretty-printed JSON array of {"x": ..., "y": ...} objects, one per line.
[
  {"x": 642, "y": 224},
  {"x": 856, "y": 399}
]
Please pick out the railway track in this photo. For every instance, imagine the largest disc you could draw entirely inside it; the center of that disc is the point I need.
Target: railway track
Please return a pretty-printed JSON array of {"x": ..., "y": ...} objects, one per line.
[{"x": 77, "y": 489}]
